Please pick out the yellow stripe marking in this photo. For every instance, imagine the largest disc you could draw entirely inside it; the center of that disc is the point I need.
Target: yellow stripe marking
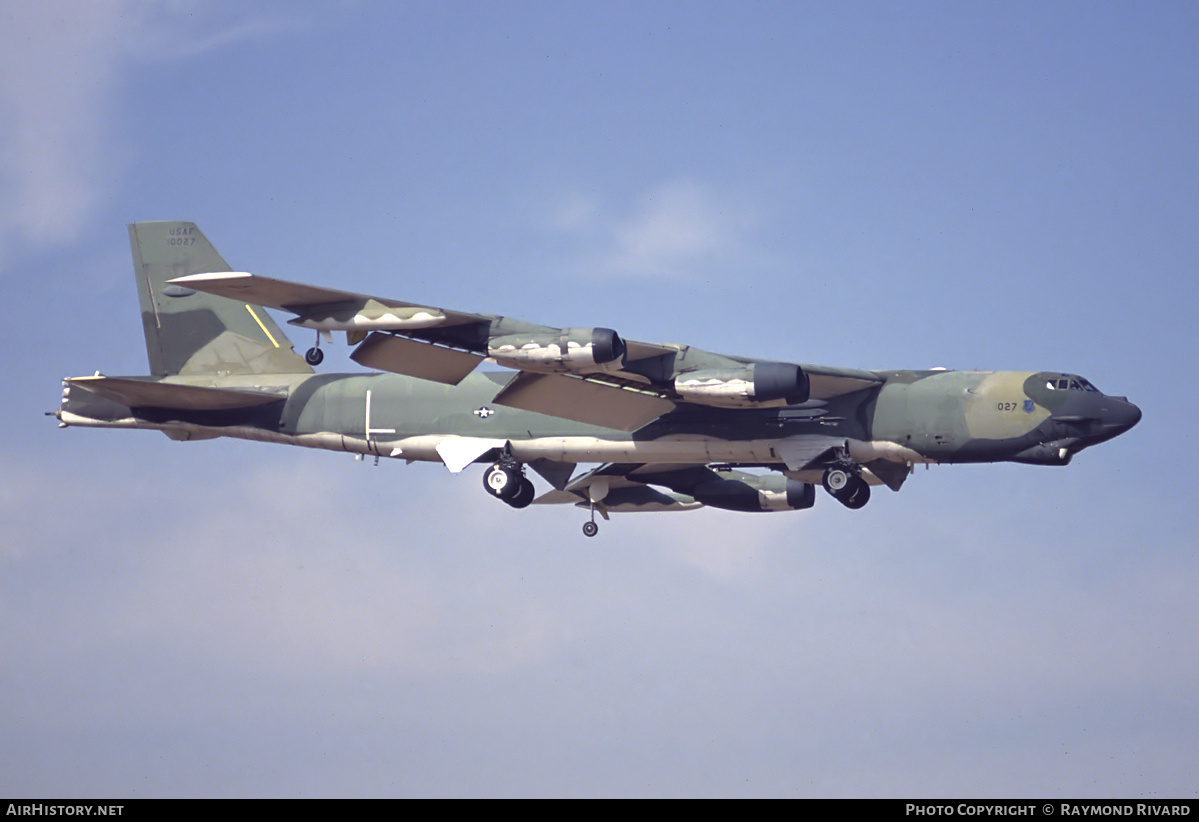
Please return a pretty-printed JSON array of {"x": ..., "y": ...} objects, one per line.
[{"x": 262, "y": 326}]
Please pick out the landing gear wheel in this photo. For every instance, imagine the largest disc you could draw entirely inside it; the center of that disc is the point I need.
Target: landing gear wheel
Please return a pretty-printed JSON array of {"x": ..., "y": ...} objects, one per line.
[
  {"x": 314, "y": 356},
  {"x": 524, "y": 494},
  {"x": 837, "y": 479},
  {"x": 846, "y": 485},
  {"x": 503, "y": 481},
  {"x": 590, "y": 529},
  {"x": 856, "y": 495}
]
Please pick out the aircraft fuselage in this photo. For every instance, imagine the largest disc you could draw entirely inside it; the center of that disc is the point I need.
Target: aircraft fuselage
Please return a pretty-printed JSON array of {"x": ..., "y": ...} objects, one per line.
[{"x": 914, "y": 416}]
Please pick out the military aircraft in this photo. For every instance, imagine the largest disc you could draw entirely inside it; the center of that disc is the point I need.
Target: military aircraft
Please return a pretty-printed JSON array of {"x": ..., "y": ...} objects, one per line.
[{"x": 671, "y": 427}]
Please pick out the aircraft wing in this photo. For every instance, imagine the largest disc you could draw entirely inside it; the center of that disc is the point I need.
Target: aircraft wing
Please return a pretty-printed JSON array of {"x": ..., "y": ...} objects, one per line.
[
  {"x": 325, "y": 309},
  {"x": 664, "y": 487},
  {"x": 591, "y": 375},
  {"x": 612, "y": 487}
]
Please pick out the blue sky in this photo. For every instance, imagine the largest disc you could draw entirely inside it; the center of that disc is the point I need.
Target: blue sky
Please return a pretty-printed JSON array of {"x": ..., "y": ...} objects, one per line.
[{"x": 984, "y": 185}]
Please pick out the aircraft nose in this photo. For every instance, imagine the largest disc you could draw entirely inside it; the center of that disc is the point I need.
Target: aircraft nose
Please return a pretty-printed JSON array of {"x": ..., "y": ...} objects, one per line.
[{"x": 1120, "y": 415}]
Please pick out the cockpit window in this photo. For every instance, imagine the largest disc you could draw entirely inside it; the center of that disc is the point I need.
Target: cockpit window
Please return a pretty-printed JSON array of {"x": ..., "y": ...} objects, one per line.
[{"x": 1070, "y": 384}]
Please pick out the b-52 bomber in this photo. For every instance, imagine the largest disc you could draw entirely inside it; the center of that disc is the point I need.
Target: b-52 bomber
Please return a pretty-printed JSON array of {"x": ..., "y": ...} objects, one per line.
[{"x": 671, "y": 427}]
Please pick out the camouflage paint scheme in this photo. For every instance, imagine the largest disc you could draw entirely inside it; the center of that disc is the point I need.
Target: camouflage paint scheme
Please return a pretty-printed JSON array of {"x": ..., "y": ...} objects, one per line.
[{"x": 671, "y": 426}]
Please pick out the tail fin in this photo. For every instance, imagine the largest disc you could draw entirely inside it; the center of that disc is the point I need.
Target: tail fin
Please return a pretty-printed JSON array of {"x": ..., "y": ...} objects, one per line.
[{"x": 189, "y": 332}]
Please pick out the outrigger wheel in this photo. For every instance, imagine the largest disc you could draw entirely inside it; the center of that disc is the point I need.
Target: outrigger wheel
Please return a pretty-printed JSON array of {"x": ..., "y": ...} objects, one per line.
[
  {"x": 314, "y": 355},
  {"x": 591, "y": 527}
]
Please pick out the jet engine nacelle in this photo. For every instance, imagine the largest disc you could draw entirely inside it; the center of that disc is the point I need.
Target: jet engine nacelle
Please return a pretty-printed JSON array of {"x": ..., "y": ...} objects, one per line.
[
  {"x": 571, "y": 349},
  {"x": 772, "y": 492},
  {"x": 762, "y": 383}
]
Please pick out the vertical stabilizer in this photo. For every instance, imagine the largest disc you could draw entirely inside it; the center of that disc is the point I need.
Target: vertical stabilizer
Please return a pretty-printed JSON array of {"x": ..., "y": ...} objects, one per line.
[{"x": 189, "y": 332}]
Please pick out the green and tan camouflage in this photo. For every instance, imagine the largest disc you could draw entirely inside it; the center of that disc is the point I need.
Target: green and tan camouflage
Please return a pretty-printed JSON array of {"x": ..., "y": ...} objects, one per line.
[{"x": 669, "y": 427}]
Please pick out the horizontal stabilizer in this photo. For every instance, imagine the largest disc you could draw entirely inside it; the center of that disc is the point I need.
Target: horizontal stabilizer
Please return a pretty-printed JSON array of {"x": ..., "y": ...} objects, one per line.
[{"x": 146, "y": 394}]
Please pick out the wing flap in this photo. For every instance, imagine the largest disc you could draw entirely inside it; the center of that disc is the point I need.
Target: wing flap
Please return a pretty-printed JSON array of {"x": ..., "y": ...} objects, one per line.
[
  {"x": 583, "y": 401},
  {"x": 426, "y": 361}
]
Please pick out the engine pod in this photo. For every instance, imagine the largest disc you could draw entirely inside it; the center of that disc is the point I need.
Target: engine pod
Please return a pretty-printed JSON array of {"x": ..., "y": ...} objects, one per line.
[
  {"x": 763, "y": 383},
  {"x": 772, "y": 492},
  {"x": 571, "y": 349}
]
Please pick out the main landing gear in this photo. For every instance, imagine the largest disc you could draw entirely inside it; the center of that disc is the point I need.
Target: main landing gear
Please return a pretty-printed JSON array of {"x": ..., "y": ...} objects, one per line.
[
  {"x": 846, "y": 485},
  {"x": 506, "y": 481}
]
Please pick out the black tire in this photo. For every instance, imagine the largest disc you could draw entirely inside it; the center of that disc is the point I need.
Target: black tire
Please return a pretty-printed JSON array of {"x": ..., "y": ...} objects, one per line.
[
  {"x": 590, "y": 529},
  {"x": 524, "y": 494},
  {"x": 502, "y": 481},
  {"x": 836, "y": 480},
  {"x": 314, "y": 356},
  {"x": 856, "y": 495}
]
